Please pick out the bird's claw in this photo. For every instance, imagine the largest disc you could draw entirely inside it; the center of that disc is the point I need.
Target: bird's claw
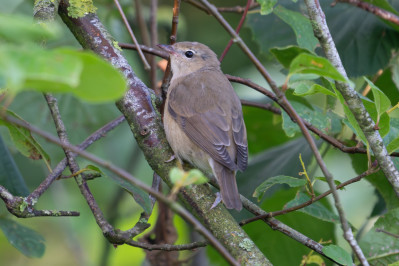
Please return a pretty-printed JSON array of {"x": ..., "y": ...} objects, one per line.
[{"x": 217, "y": 200}]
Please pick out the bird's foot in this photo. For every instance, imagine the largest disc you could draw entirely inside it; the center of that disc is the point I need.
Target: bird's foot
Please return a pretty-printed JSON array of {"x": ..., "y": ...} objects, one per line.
[
  {"x": 217, "y": 200},
  {"x": 170, "y": 159}
]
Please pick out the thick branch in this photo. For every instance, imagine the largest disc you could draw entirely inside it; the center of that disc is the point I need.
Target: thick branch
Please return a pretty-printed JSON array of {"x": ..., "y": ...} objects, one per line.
[{"x": 147, "y": 128}]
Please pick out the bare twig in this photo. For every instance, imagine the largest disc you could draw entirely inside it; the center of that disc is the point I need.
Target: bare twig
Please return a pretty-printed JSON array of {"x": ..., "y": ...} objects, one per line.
[
  {"x": 21, "y": 209},
  {"x": 154, "y": 41},
  {"x": 146, "y": 65},
  {"x": 309, "y": 202},
  {"x": 175, "y": 21},
  {"x": 244, "y": 15},
  {"x": 384, "y": 14}
]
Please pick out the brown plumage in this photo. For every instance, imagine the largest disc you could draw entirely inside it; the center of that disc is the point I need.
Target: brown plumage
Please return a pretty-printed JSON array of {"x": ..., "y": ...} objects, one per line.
[{"x": 203, "y": 117}]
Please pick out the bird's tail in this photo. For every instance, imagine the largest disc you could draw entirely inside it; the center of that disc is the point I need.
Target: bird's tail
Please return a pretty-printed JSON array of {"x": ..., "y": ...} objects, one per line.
[{"x": 228, "y": 186}]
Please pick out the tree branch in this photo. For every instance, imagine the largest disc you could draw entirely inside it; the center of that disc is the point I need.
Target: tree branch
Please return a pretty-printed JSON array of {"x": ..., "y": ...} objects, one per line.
[
  {"x": 145, "y": 122},
  {"x": 379, "y": 12}
]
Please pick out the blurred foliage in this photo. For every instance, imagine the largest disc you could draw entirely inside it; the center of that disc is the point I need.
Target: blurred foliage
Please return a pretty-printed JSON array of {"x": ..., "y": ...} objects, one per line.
[{"x": 286, "y": 46}]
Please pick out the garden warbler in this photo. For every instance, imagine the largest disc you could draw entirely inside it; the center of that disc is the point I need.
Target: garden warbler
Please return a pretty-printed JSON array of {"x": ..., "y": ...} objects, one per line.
[{"x": 203, "y": 117}]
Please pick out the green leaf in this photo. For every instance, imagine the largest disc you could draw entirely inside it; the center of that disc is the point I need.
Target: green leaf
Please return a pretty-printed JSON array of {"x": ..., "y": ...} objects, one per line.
[
  {"x": 24, "y": 141},
  {"x": 35, "y": 68},
  {"x": 196, "y": 177},
  {"x": 300, "y": 25},
  {"x": 176, "y": 174},
  {"x": 384, "y": 124},
  {"x": 379, "y": 247},
  {"x": 10, "y": 177},
  {"x": 322, "y": 178},
  {"x": 285, "y": 55},
  {"x": 382, "y": 102},
  {"x": 139, "y": 195},
  {"x": 61, "y": 70},
  {"x": 27, "y": 241},
  {"x": 316, "y": 209},
  {"x": 315, "y": 116},
  {"x": 272, "y": 248},
  {"x": 266, "y": 6},
  {"x": 281, "y": 179},
  {"x": 110, "y": 85},
  {"x": 351, "y": 118},
  {"x": 21, "y": 29},
  {"x": 338, "y": 254},
  {"x": 279, "y": 160},
  {"x": 261, "y": 124},
  {"x": 315, "y": 88},
  {"x": 393, "y": 145},
  {"x": 365, "y": 43},
  {"x": 312, "y": 64}
]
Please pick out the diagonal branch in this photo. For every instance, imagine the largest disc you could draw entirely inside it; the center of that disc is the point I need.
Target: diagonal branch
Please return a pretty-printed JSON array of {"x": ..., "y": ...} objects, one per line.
[
  {"x": 145, "y": 123},
  {"x": 384, "y": 14}
]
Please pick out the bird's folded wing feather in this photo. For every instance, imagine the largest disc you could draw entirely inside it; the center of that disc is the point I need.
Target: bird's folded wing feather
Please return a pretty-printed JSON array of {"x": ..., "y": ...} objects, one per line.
[{"x": 202, "y": 111}]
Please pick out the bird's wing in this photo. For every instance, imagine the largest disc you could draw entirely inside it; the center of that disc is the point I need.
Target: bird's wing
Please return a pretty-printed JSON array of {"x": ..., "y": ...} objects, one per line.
[{"x": 207, "y": 122}]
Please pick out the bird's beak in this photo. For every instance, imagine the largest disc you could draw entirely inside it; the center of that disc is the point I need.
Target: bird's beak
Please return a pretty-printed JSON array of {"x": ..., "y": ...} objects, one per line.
[{"x": 168, "y": 48}]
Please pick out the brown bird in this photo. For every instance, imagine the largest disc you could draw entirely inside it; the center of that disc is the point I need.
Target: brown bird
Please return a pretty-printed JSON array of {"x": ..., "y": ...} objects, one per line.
[{"x": 203, "y": 117}]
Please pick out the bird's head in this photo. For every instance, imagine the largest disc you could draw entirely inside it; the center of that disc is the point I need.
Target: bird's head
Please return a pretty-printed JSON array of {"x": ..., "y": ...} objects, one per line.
[{"x": 188, "y": 57}]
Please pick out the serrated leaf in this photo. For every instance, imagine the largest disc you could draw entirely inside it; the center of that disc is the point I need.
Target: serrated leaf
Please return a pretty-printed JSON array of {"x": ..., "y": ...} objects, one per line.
[
  {"x": 266, "y": 6},
  {"x": 10, "y": 177},
  {"x": 300, "y": 25},
  {"x": 338, "y": 254},
  {"x": 316, "y": 209},
  {"x": 281, "y": 179},
  {"x": 24, "y": 141},
  {"x": 312, "y": 64},
  {"x": 27, "y": 241},
  {"x": 285, "y": 55},
  {"x": 351, "y": 118},
  {"x": 139, "y": 195},
  {"x": 382, "y": 102}
]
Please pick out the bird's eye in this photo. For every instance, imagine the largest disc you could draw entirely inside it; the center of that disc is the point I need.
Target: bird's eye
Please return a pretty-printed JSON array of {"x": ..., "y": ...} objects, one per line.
[{"x": 189, "y": 54}]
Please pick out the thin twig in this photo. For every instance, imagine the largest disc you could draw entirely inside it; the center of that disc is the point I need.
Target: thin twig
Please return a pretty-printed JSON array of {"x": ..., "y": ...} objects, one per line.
[
  {"x": 146, "y": 65},
  {"x": 175, "y": 21},
  {"x": 136, "y": 182},
  {"x": 244, "y": 15},
  {"x": 309, "y": 202},
  {"x": 154, "y": 41},
  {"x": 382, "y": 13},
  {"x": 19, "y": 207}
]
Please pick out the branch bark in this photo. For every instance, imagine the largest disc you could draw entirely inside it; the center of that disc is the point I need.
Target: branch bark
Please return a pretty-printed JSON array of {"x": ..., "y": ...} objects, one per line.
[{"x": 145, "y": 123}]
